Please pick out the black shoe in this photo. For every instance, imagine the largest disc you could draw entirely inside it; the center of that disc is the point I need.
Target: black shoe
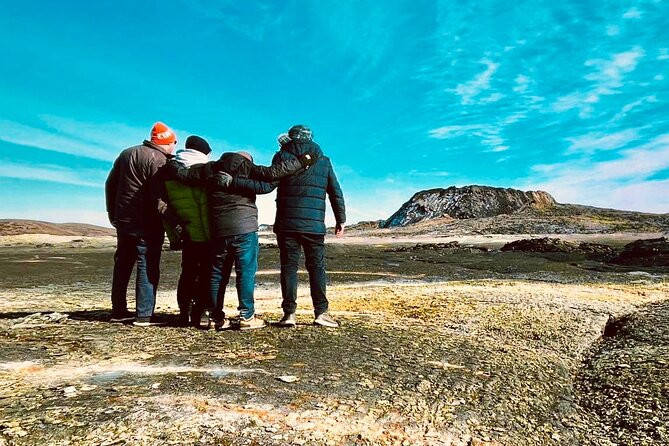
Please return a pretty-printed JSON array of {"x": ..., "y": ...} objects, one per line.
[
  {"x": 184, "y": 320},
  {"x": 122, "y": 316},
  {"x": 151, "y": 321}
]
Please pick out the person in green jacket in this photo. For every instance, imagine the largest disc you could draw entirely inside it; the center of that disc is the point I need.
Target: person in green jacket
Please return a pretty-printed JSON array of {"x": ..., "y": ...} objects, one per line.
[{"x": 187, "y": 225}]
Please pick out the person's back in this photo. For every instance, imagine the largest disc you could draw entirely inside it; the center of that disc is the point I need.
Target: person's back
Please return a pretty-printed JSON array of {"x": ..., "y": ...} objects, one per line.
[
  {"x": 187, "y": 223},
  {"x": 129, "y": 195},
  {"x": 300, "y": 202},
  {"x": 300, "y": 224},
  {"x": 133, "y": 207},
  {"x": 233, "y": 210}
]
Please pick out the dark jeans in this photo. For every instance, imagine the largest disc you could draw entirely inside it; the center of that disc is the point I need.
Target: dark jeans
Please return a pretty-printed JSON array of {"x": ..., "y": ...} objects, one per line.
[
  {"x": 291, "y": 245},
  {"x": 194, "y": 279},
  {"x": 146, "y": 252},
  {"x": 242, "y": 252}
]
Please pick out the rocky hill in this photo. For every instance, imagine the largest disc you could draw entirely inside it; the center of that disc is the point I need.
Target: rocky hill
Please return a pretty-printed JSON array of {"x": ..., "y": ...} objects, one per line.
[
  {"x": 18, "y": 227},
  {"x": 488, "y": 210},
  {"x": 467, "y": 202}
]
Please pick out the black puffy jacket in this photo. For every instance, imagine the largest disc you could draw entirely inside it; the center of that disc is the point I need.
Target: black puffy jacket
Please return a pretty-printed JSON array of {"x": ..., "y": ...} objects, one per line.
[
  {"x": 232, "y": 210},
  {"x": 300, "y": 200}
]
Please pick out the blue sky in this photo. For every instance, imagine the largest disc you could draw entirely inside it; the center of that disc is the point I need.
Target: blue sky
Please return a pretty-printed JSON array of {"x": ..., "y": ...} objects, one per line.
[{"x": 568, "y": 97}]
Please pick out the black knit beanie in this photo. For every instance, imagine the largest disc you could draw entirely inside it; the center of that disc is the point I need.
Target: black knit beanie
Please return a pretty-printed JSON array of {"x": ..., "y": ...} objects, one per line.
[{"x": 199, "y": 144}]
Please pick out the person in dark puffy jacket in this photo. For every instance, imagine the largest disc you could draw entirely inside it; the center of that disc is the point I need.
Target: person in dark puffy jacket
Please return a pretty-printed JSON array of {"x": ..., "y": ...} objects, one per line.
[
  {"x": 234, "y": 227},
  {"x": 133, "y": 210},
  {"x": 300, "y": 223},
  {"x": 186, "y": 218}
]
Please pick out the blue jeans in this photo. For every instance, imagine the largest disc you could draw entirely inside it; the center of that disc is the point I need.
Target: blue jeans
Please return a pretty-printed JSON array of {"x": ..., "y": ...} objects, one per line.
[
  {"x": 146, "y": 252},
  {"x": 194, "y": 279},
  {"x": 242, "y": 252},
  {"x": 291, "y": 245}
]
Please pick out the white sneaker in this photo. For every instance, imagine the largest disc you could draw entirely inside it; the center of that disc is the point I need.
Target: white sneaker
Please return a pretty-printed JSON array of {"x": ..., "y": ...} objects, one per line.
[
  {"x": 288, "y": 320},
  {"x": 251, "y": 323},
  {"x": 325, "y": 320}
]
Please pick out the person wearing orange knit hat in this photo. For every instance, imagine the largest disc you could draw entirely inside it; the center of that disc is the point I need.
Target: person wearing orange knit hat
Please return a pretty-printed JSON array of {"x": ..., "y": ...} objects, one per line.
[{"x": 133, "y": 209}]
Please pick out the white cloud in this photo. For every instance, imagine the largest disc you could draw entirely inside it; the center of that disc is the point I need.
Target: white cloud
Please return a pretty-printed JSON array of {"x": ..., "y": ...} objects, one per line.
[
  {"x": 522, "y": 83},
  {"x": 611, "y": 183},
  {"x": 24, "y": 135},
  {"x": 612, "y": 30},
  {"x": 632, "y": 105},
  {"x": 452, "y": 131},
  {"x": 632, "y": 13},
  {"x": 489, "y": 135},
  {"x": 593, "y": 142},
  {"x": 610, "y": 72},
  {"x": 53, "y": 174},
  {"x": 664, "y": 54},
  {"x": 469, "y": 90},
  {"x": 607, "y": 78}
]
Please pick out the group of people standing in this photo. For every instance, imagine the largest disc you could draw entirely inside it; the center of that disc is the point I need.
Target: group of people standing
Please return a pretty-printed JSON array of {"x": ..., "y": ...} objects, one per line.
[{"x": 208, "y": 209}]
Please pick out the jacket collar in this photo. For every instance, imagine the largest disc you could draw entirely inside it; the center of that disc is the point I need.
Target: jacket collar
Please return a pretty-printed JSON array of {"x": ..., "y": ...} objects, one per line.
[{"x": 155, "y": 146}]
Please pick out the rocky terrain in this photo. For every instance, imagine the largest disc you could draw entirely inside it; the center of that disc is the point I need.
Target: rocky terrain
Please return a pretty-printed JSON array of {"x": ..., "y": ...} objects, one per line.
[
  {"x": 440, "y": 344},
  {"x": 467, "y": 202},
  {"x": 488, "y": 210},
  {"x": 545, "y": 324}
]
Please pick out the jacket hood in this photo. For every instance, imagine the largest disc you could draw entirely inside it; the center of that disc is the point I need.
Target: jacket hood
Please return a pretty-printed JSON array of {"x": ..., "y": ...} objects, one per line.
[
  {"x": 300, "y": 147},
  {"x": 189, "y": 157},
  {"x": 234, "y": 164}
]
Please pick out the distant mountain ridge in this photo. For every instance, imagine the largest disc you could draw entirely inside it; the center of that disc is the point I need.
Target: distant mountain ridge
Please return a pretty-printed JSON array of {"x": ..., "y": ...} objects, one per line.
[
  {"x": 467, "y": 202},
  {"x": 19, "y": 227}
]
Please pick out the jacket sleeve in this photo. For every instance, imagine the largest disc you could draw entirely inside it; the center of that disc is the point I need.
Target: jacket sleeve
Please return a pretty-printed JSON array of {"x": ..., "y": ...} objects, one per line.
[
  {"x": 278, "y": 169},
  {"x": 195, "y": 175},
  {"x": 336, "y": 196},
  {"x": 162, "y": 199},
  {"x": 243, "y": 186},
  {"x": 111, "y": 188}
]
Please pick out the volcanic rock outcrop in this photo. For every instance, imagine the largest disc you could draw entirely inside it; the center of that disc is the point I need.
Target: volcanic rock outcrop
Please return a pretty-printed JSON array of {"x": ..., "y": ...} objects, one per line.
[{"x": 467, "y": 202}]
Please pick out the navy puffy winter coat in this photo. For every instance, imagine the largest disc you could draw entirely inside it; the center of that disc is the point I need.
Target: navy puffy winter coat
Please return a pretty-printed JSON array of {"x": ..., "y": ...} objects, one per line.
[{"x": 300, "y": 198}]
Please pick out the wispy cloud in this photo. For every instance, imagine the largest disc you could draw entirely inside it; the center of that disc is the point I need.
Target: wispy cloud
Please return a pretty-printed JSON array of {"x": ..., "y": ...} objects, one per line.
[
  {"x": 489, "y": 135},
  {"x": 593, "y": 142},
  {"x": 627, "y": 108},
  {"x": 469, "y": 90},
  {"x": 52, "y": 174},
  {"x": 29, "y": 136},
  {"x": 607, "y": 78},
  {"x": 607, "y": 183},
  {"x": 522, "y": 83},
  {"x": 632, "y": 13}
]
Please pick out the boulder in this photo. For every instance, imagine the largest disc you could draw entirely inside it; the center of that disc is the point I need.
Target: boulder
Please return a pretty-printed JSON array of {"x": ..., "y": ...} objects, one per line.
[
  {"x": 547, "y": 244},
  {"x": 646, "y": 252}
]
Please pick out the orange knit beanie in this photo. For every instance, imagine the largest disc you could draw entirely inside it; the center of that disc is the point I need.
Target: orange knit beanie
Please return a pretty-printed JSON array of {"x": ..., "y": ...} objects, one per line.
[{"x": 162, "y": 134}]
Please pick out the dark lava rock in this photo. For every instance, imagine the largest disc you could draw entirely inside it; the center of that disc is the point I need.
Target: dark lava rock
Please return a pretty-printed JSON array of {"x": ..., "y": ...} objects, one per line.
[
  {"x": 449, "y": 247},
  {"x": 648, "y": 252},
  {"x": 467, "y": 202},
  {"x": 547, "y": 244}
]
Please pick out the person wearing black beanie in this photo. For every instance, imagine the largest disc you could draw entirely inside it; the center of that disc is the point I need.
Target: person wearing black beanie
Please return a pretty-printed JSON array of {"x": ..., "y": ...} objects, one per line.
[{"x": 196, "y": 143}]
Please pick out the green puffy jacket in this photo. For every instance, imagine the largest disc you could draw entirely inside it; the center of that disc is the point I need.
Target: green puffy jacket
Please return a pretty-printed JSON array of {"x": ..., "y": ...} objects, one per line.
[{"x": 190, "y": 204}]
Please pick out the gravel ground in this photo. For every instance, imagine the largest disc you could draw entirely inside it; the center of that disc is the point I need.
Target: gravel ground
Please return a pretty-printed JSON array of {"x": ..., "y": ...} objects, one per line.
[{"x": 465, "y": 348}]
